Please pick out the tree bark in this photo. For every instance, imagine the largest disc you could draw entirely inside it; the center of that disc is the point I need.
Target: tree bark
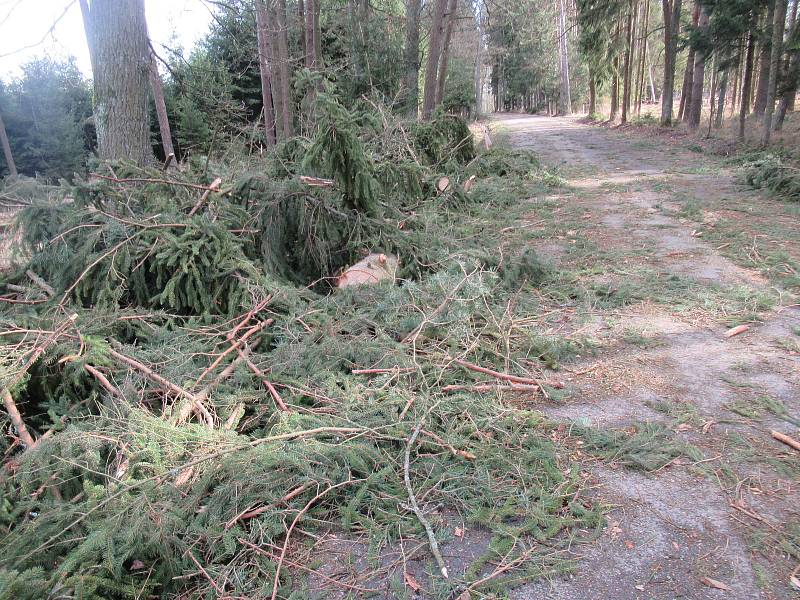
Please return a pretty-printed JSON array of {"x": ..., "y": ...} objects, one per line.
[
  {"x": 311, "y": 45},
  {"x": 565, "y": 99},
  {"x": 592, "y": 93},
  {"x": 672, "y": 16},
  {"x": 695, "y": 107},
  {"x": 479, "y": 66},
  {"x": 778, "y": 30},
  {"x": 688, "y": 75},
  {"x": 723, "y": 90},
  {"x": 12, "y": 167},
  {"x": 747, "y": 82},
  {"x": 283, "y": 69},
  {"x": 792, "y": 74},
  {"x": 434, "y": 51},
  {"x": 117, "y": 39},
  {"x": 626, "y": 85},
  {"x": 450, "y": 19},
  {"x": 411, "y": 56},
  {"x": 266, "y": 71},
  {"x": 765, "y": 55},
  {"x": 161, "y": 107}
]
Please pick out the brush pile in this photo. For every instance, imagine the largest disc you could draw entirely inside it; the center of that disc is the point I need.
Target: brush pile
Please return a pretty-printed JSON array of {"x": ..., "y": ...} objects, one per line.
[
  {"x": 775, "y": 172},
  {"x": 191, "y": 409}
]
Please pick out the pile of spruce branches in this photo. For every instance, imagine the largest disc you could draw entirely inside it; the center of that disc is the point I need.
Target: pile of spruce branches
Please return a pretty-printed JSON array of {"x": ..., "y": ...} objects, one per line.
[{"x": 193, "y": 411}]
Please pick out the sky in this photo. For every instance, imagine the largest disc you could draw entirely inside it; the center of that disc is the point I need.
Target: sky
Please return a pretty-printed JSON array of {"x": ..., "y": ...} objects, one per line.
[{"x": 31, "y": 28}]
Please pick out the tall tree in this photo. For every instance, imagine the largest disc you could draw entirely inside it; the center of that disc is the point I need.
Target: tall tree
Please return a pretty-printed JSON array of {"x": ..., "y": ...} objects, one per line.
[
  {"x": 695, "y": 101},
  {"x": 450, "y": 20},
  {"x": 747, "y": 79},
  {"x": 765, "y": 56},
  {"x": 564, "y": 99},
  {"x": 672, "y": 16},
  {"x": 411, "y": 56},
  {"x": 627, "y": 68},
  {"x": 778, "y": 30},
  {"x": 792, "y": 74},
  {"x": 282, "y": 55},
  {"x": 266, "y": 72},
  {"x": 688, "y": 75},
  {"x": 434, "y": 51},
  {"x": 116, "y": 32},
  {"x": 12, "y": 167}
]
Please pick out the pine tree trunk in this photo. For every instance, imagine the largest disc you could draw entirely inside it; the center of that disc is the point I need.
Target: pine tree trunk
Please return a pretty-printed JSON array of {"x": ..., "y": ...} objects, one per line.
[
  {"x": 723, "y": 90},
  {"x": 626, "y": 84},
  {"x": 286, "y": 129},
  {"x": 765, "y": 54},
  {"x": 161, "y": 107},
  {"x": 747, "y": 82},
  {"x": 12, "y": 167},
  {"x": 434, "y": 52},
  {"x": 565, "y": 99},
  {"x": 791, "y": 74},
  {"x": 411, "y": 56},
  {"x": 671, "y": 12},
  {"x": 311, "y": 52},
  {"x": 688, "y": 75},
  {"x": 592, "y": 94},
  {"x": 117, "y": 39},
  {"x": 641, "y": 85},
  {"x": 778, "y": 30},
  {"x": 695, "y": 107},
  {"x": 478, "y": 66},
  {"x": 450, "y": 19},
  {"x": 265, "y": 68}
]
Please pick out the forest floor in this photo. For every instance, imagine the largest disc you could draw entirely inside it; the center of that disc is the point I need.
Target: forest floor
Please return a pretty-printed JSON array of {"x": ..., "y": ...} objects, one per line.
[{"x": 670, "y": 227}]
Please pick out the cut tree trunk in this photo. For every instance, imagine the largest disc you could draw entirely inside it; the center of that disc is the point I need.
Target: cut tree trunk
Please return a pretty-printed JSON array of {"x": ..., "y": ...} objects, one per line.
[{"x": 117, "y": 38}]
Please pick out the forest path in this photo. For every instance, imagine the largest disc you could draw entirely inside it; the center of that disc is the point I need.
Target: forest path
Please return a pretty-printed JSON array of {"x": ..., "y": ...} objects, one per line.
[{"x": 660, "y": 223}]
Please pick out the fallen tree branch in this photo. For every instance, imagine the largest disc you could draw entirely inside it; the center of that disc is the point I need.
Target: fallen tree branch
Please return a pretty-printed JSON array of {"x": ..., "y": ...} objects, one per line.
[
  {"x": 16, "y": 420},
  {"x": 782, "y": 437},
  {"x": 437, "y": 554},
  {"x": 493, "y": 387},
  {"x": 214, "y": 187},
  {"x": 156, "y": 378}
]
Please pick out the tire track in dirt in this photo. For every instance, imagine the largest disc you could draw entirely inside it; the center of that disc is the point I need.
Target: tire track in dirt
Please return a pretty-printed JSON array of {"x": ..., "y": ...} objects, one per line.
[{"x": 672, "y": 528}]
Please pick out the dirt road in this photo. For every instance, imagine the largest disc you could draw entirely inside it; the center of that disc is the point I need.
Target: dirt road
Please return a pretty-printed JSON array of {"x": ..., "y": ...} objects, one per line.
[{"x": 654, "y": 213}]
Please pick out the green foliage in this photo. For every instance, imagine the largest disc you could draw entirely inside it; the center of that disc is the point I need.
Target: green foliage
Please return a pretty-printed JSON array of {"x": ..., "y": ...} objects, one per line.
[
  {"x": 775, "y": 173},
  {"x": 46, "y": 113},
  {"x": 645, "y": 447}
]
